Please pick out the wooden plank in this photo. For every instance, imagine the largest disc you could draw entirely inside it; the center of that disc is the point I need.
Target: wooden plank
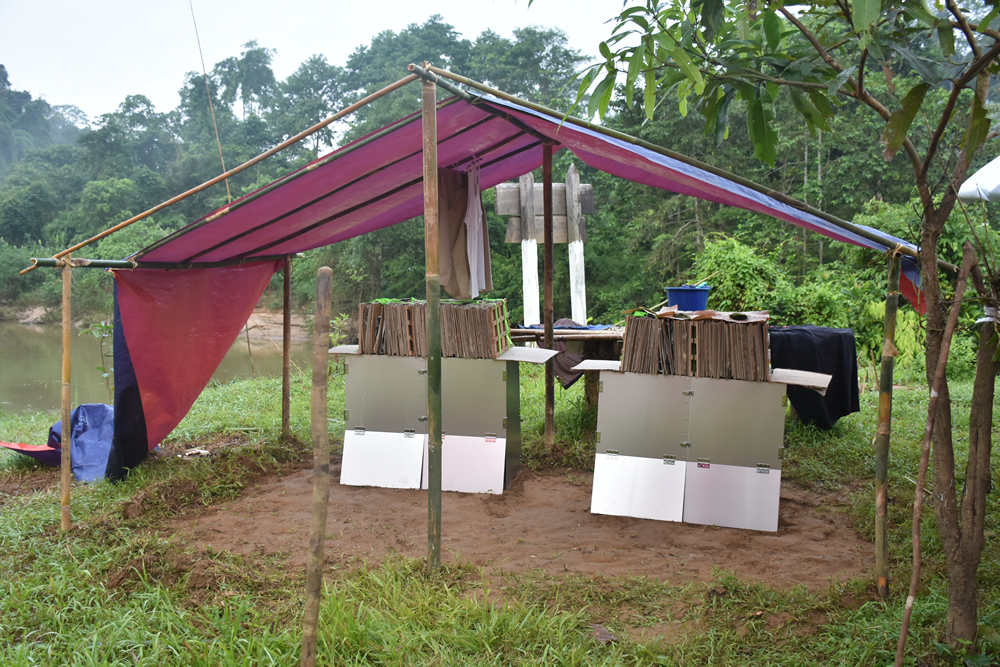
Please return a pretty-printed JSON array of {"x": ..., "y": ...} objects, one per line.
[
  {"x": 526, "y": 208},
  {"x": 508, "y": 198},
  {"x": 559, "y": 229}
]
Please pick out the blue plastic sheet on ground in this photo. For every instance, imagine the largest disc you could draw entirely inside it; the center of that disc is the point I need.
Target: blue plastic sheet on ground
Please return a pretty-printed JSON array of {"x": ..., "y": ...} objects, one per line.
[{"x": 93, "y": 427}]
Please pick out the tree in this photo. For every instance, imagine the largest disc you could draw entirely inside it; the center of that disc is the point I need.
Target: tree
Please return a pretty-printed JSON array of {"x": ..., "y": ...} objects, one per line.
[
  {"x": 712, "y": 56},
  {"x": 536, "y": 65},
  {"x": 310, "y": 94},
  {"x": 249, "y": 78}
]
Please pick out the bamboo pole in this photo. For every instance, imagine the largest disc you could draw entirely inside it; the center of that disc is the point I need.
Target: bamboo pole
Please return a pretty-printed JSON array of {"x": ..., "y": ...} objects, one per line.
[
  {"x": 129, "y": 264},
  {"x": 286, "y": 349},
  {"x": 601, "y": 129},
  {"x": 427, "y": 75},
  {"x": 884, "y": 430},
  {"x": 232, "y": 172},
  {"x": 429, "y": 115},
  {"x": 321, "y": 465},
  {"x": 550, "y": 390},
  {"x": 65, "y": 457},
  {"x": 937, "y": 386}
]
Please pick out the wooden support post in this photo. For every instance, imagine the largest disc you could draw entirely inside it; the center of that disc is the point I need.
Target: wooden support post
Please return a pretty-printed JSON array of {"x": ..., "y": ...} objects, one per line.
[
  {"x": 574, "y": 233},
  {"x": 321, "y": 465},
  {"x": 286, "y": 351},
  {"x": 550, "y": 376},
  {"x": 529, "y": 251},
  {"x": 433, "y": 277},
  {"x": 66, "y": 460},
  {"x": 884, "y": 429}
]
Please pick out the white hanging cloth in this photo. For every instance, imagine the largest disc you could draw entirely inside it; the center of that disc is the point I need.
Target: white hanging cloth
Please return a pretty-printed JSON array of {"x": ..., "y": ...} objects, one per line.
[{"x": 475, "y": 222}]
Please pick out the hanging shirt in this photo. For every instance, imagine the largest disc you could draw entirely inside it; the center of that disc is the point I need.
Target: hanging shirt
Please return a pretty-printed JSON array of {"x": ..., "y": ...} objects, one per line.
[{"x": 457, "y": 204}]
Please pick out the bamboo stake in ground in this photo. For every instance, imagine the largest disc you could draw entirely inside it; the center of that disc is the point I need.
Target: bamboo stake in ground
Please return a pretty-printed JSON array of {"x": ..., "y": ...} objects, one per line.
[
  {"x": 321, "y": 464},
  {"x": 968, "y": 260},
  {"x": 550, "y": 390},
  {"x": 286, "y": 350},
  {"x": 429, "y": 119},
  {"x": 66, "y": 460},
  {"x": 884, "y": 429}
]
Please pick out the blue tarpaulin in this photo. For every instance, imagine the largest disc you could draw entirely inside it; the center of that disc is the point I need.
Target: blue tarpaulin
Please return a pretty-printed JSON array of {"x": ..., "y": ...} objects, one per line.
[{"x": 91, "y": 453}]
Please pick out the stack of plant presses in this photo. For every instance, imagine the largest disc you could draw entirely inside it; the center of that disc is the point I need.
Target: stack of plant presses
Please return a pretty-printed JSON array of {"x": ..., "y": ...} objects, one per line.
[
  {"x": 385, "y": 416},
  {"x": 691, "y": 427}
]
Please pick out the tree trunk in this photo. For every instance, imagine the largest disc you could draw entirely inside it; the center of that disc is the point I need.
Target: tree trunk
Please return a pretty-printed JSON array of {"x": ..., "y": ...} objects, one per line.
[
  {"x": 962, "y": 580},
  {"x": 961, "y": 538}
]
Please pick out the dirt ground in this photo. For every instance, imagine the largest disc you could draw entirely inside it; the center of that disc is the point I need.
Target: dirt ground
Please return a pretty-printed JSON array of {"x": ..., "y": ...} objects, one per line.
[{"x": 541, "y": 522}]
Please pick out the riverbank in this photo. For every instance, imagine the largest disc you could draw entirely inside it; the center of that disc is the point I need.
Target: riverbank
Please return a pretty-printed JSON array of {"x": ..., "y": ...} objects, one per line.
[{"x": 263, "y": 323}]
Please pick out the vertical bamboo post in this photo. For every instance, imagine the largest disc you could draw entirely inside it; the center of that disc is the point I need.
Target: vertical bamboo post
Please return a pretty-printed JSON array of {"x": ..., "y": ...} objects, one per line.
[
  {"x": 550, "y": 390},
  {"x": 66, "y": 461},
  {"x": 286, "y": 350},
  {"x": 429, "y": 119},
  {"x": 321, "y": 464},
  {"x": 884, "y": 429}
]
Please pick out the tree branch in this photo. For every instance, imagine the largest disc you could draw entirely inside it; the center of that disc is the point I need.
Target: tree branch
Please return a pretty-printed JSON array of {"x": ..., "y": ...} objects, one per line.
[
  {"x": 959, "y": 85},
  {"x": 966, "y": 30},
  {"x": 864, "y": 96},
  {"x": 861, "y": 75},
  {"x": 981, "y": 29}
]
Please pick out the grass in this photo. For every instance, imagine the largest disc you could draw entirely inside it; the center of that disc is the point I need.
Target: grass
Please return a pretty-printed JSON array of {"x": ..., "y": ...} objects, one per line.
[{"x": 118, "y": 590}]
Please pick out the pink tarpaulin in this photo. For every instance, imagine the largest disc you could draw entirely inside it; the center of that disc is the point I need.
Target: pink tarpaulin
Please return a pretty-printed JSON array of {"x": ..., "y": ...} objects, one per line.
[
  {"x": 377, "y": 181},
  {"x": 179, "y": 326}
]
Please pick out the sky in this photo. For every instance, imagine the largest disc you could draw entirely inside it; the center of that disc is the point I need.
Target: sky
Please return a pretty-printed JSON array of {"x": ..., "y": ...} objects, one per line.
[{"x": 92, "y": 54}]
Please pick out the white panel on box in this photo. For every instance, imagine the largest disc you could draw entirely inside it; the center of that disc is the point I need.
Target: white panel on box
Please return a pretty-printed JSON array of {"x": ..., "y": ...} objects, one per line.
[
  {"x": 377, "y": 458},
  {"x": 732, "y": 496},
  {"x": 470, "y": 464},
  {"x": 638, "y": 487}
]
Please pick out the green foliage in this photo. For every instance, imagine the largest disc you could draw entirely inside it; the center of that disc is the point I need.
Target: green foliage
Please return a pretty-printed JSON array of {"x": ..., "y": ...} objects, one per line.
[{"x": 741, "y": 279}]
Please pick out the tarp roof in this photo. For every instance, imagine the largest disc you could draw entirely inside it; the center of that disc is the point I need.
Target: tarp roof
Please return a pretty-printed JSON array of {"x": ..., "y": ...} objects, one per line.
[{"x": 377, "y": 181}]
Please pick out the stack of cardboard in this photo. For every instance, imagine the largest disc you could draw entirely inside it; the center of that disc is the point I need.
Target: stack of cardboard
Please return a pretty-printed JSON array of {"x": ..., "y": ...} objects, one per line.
[
  {"x": 708, "y": 344},
  {"x": 469, "y": 330}
]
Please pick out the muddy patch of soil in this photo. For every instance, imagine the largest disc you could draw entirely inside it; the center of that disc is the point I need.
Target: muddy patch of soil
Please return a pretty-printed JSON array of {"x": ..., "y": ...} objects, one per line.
[
  {"x": 542, "y": 521},
  {"x": 20, "y": 484}
]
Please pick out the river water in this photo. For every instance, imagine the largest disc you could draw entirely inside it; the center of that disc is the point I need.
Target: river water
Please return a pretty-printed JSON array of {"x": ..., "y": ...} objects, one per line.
[{"x": 31, "y": 365}]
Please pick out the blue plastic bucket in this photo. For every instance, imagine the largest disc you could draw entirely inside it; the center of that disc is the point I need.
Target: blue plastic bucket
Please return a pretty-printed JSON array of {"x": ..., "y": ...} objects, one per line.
[{"x": 688, "y": 297}]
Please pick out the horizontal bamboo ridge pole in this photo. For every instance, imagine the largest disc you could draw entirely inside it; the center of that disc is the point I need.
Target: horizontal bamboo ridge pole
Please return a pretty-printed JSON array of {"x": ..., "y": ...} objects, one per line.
[
  {"x": 52, "y": 262},
  {"x": 783, "y": 198},
  {"x": 426, "y": 75},
  {"x": 246, "y": 165}
]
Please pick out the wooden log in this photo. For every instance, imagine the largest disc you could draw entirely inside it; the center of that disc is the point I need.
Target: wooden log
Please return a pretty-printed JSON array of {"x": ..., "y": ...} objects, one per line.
[
  {"x": 286, "y": 349},
  {"x": 433, "y": 280},
  {"x": 321, "y": 465},
  {"x": 884, "y": 429},
  {"x": 65, "y": 459},
  {"x": 550, "y": 391}
]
